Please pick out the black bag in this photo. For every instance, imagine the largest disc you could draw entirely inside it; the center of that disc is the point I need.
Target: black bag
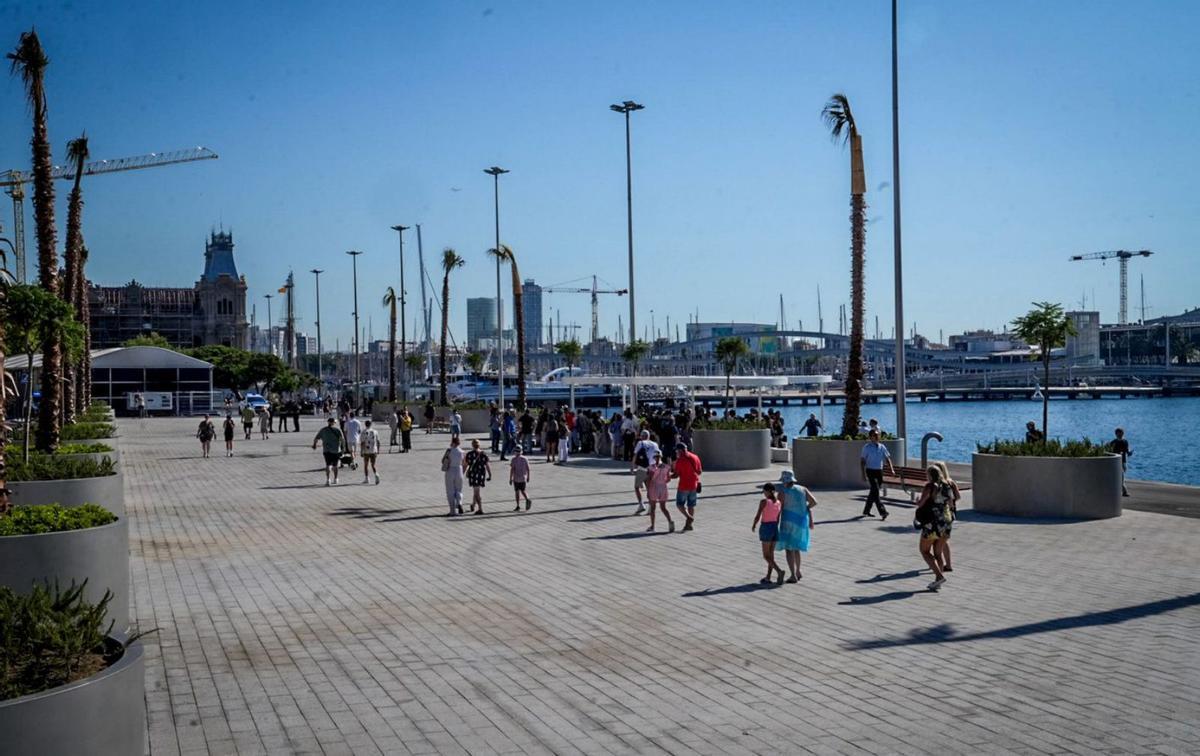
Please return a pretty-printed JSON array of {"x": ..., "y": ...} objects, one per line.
[
  {"x": 642, "y": 459},
  {"x": 924, "y": 515}
]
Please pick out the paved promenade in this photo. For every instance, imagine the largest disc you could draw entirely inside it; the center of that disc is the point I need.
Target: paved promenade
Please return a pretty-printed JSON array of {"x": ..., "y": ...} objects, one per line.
[{"x": 299, "y": 619}]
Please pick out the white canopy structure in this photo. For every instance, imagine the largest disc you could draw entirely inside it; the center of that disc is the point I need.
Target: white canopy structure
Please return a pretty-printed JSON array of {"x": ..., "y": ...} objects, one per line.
[{"x": 692, "y": 382}]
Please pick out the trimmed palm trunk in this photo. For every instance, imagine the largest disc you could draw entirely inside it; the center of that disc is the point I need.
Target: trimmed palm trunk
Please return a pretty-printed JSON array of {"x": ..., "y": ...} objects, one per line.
[
  {"x": 77, "y": 150},
  {"x": 29, "y": 60},
  {"x": 450, "y": 261},
  {"x": 84, "y": 395},
  {"x": 390, "y": 299},
  {"x": 519, "y": 304}
]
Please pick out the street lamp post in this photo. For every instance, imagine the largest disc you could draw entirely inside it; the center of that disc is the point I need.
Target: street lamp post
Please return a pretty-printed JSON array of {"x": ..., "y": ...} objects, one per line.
[
  {"x": 403, "y": 351},
  {"x": 357, "y": 365},
  {"x": 495, "y": 172},
  {"x": 901, "y": 387},
  {"x": 626, "y": 108},
  {"x": 270, "y": 334},
  {"x": 320, "y": 373}
]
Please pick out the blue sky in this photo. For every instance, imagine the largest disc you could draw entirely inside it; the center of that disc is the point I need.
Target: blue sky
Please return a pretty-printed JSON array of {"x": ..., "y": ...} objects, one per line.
[{"x": 1030, "y": 131}]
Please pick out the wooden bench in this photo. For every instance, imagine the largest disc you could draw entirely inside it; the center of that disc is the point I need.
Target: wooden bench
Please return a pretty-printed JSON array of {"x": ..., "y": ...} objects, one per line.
[{"x": 911, "y": 481}]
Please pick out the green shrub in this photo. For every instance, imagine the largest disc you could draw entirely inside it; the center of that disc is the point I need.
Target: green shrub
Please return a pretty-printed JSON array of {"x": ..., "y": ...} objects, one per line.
[
  {"x": 87, "y": 430},
  {"x": 53, "y": 518},
  {"x": 51, "y": 637},
  {"x": 93, "y": 415},
  {"x": 71, "y": 448},
  {"x": 54, "y": 467},
  {"x": 1084, "y": 447},
  {"x": 731, "y": 424}
]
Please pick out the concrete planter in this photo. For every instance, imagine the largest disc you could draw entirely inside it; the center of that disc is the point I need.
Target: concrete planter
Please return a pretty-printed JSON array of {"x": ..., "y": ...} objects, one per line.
[
  {"x": 831, "y": 463},
  {"x": 732, "y": 449},
  {"x": 101, "y": 714},
  {"x": 108, "y": 492},
  {"x": 98, "y": 555},
  {"x": 1070, "y": 487},
  {"x": 473, "y": 420}
]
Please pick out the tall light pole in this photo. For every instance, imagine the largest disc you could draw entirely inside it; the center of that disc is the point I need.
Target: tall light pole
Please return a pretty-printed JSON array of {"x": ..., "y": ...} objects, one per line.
[
  {"x": 495, "y": 172},
  {"x": 626, "y": 108},
  {"x": 270, "y": 334},
  {"x": 357, "y": 365},
  {"x": 901, "y": 387},
  {"x": 320, "y": 373},
  {"x": 403, "y": 351}
]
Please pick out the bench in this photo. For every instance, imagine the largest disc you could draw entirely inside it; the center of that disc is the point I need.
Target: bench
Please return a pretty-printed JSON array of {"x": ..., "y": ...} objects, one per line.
[{"x": 911, "y": 480}]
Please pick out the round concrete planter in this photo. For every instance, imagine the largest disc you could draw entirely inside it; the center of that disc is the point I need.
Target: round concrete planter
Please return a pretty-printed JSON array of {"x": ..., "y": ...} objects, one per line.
[
  {"x": 1065, "y": 487},
  {"x": 101, "y": 714},
  {"x": 114, "y": 455},
  {"x": 832, "y": 463},
  {"x": 108, "y": 492},
  {"x": 98, "y": 555},
  {"x": 732, "y": 449}
]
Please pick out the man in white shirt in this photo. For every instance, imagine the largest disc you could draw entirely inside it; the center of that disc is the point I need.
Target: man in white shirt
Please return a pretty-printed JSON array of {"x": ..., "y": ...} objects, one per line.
[
  {"x": 369, "y": 446},
  {"x": 643, "y": 455},
  {"x": 354, "y": 429}
]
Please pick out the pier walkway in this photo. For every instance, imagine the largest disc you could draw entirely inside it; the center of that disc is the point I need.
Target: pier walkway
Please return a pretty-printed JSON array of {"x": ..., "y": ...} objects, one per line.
[{"x": 294, "y": 618}]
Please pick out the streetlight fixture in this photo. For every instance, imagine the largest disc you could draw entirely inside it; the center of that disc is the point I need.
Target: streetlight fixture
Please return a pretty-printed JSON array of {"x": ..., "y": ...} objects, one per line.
[
  {"x": 357, "y": 365},
  {"x": 403, "y": 352},
  {"x": 627, "y": 107},
  {"x": 320, "y": 373},
  {"x": 495, "y": 172},
  {"x": 270, "y": 335}
]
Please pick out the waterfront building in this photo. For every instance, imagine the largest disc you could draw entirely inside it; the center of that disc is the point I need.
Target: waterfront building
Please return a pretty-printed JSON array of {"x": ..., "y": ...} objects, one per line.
[
  {"x": 481, "y": 320},
  {"x": 985, "y": 341},
  {"x": 1084, "y": 347},
  {"x": 212, "y": 311},
  {"x": 531, "y": 303},
  {"x": 760, "y": 337}
]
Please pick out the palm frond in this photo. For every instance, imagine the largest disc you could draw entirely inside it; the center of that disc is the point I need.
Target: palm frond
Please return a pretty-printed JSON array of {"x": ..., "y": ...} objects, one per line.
[
  {"x": 29, "y": 59},
  {"x": 838, "y": 117},
  {"x": 389, "y": 296},
  {"x": 77, "y": 151},
  {"x": 451, "y": 260}
]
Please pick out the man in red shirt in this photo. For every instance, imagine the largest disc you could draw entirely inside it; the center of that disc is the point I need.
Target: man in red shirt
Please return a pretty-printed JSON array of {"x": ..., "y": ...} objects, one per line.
[{"x": 687, "y": 469}]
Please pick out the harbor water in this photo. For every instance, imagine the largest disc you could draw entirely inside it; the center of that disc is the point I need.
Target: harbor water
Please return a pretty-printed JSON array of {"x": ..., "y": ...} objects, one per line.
[{"x": 1160, "y": 430}]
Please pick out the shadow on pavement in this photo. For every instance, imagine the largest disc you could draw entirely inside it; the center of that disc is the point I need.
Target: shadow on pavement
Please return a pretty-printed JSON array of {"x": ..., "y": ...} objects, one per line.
[
  {"x": 626, "y": 536},
  {"x": 857, "y": 518},
  {"x": 886, "y": 576},
  {"x": 945, "y": 633},
  {"x": 883, "y": 597},
  {"x": 744, "y": 588}
]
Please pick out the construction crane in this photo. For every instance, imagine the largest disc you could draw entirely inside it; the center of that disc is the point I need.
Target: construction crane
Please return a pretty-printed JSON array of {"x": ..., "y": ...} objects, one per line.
[
  {"x": 594, "y": 291},
  {"x": 14, "y": 182},
  {"x": 1123, "y": 256}
]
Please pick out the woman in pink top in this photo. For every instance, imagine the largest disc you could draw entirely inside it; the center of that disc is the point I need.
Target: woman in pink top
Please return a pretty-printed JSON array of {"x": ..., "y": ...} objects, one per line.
[
  {"x": 768, "y": 532},
  {"x": 657, "y": 476}
]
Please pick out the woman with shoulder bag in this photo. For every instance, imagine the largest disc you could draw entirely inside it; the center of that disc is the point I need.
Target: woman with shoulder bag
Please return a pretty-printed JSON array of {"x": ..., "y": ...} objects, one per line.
[{"x": 932, "y": 518}]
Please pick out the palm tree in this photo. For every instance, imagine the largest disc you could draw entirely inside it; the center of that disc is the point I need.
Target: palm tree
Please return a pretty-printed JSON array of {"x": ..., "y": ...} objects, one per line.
[
  {"x": 633, "y": 354},
  {"x": 77, "y": 153},
  {"x": 505, "y": 254},
  {"x": 730, "y": 351},
  {"x": 840, "y": 120},
  {"x": 84, "y": 395},
  {"x": 413, "y": 362},
  {"x": 475, "y": 362},
  {"x": 1048, "y": 327},
  {"x": 29, "y": 60},
  {"x": 6, "y": 280},
  {"x": 570, "y": 351},
  {"x": 389, "y": 300},
  {"x": 450, "y": 261}
]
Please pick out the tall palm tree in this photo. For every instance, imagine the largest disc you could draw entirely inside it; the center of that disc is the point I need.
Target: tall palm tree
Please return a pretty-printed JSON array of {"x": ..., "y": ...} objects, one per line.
[
  {"x": 840, "y": 120},
  {"x": 389, "y": 300},
  {"x": 77, "y": 153},
  {"x": 729, "y": 352},
  {"x": 505, "y": 254},
  {"x": 450, "y": 261},
  {"x": 29, "y": 60},
  {"x": 84, "y": 395}
]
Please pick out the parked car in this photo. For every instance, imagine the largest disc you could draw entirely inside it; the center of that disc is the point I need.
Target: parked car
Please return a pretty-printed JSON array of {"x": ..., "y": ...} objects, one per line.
[{"x": 256, "y": 402}]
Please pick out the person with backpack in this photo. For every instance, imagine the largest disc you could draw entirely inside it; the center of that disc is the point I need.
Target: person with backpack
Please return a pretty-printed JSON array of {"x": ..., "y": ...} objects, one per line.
[
  {"x": 205, "y": 432},
  {"x": 643, "y": 453},
  {"x": 933, "y": 519},
  {"x": 229, "y": 428}
]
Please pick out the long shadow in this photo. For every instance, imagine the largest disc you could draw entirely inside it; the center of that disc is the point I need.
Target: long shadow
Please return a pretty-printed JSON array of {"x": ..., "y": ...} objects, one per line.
[
  {"x": 867, "y": 600},
  {"x": 604, "y": 518},
  {"x": 908, "y": 529},
  {"x": 364, "y": 513},
  {"x": 857, "y": 518},
  {"x": 886, "y": 576},
  {"x": 493, "y": 515},
  {"x": 626, "y": 536},
  {"x": 970, "y": 515},
  {"x": 945, "y": 633},
  {"x": 306, "y": 485},
  {"x": 744, "y": 588}
]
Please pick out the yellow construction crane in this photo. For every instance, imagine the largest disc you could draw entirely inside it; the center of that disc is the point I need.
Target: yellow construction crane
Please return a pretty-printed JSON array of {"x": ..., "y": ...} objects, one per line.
[
  {"x": 1123, "y": 256},
  {"x": 595, "y": 301},
  {"x": 14, "y": 182}
]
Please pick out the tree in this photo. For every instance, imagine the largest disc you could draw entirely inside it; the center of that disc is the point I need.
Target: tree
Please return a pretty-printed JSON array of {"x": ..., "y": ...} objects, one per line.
[
  {"x": 30, "y": 61},
  {"x": 505, "y": 254},
  {"x": 570, "y": 350},
  {"x": 450, "y": 261},
  {"x": 633, "y": 354},
  {"x": 1047, "y": 327},
  {"x": 389, "y": 300},
  {"x": 475, "y": 362},
  {"x": 84, "y": 395},
  {"x": 263, "y": 369},
  {"x": 76, "y": 290},
  {"x": 840, "y": 120},
  {"x": 152, "y": 339},
  {"x": 229, "y": 364},
  {"x": 413, "y": 362},
  {"x": 31, "y": 315},
  {"x": 6, "y": 280},
  {"x": 730, "y": 351}
]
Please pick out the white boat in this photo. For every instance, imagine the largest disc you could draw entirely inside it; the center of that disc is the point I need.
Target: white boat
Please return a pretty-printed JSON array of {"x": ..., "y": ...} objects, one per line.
[{"x": 549, "y": 387}]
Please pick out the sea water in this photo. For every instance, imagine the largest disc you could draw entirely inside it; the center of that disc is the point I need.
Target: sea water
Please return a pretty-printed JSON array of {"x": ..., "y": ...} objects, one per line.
[{"x": 1161, "y": 431}]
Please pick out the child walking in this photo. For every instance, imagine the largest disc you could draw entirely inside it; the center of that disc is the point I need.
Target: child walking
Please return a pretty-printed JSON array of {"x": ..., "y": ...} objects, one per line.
[
  {"x": 768, "y": 532},
  {"x": 658, "y": 476}
]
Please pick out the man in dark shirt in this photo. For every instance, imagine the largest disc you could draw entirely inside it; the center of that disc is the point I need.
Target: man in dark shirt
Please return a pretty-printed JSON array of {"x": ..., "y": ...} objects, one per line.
[
  {"x": 1032, "y": 434},
  {"x": 812, "y": 426},
  {"x": 526, "y": 424},
  {"x": 1120, "y": 445}
]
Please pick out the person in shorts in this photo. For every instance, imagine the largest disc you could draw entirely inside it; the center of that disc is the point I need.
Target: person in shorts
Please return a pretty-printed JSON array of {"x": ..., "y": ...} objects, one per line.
[
  {"x": 766, "y": 522},
  {"x": 687, "y": 470},
  {"x": 332, "y": 441},
  {"x": 248, "y": 421},
  {"x": 354, "y": 429},
  {"x": 228, "y": 427},
  {"x": 643, "y": 454},
  {"x": 518, "y": 476},
  {"x": 368, "y": 444},
  {"x": 205, "y": 432}
]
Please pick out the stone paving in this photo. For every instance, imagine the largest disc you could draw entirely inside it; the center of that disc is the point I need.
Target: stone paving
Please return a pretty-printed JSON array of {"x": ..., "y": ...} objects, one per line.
[{"x": 299, "y": 619}]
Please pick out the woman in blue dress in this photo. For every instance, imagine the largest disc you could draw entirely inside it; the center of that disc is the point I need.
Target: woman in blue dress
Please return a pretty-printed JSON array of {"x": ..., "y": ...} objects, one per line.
[{"x": 795, "y": 522}]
